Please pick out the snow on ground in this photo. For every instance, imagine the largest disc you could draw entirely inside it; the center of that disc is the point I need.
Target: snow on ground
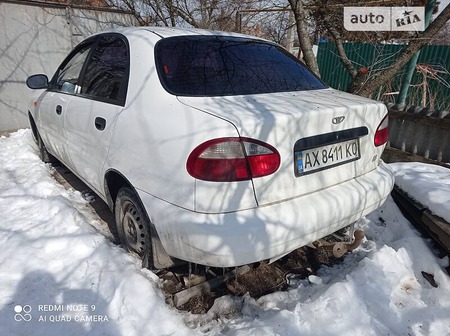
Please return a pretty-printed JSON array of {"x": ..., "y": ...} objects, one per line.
[
  {"x": 52, "y": 258},
  {"x": 428, "y": 185}
]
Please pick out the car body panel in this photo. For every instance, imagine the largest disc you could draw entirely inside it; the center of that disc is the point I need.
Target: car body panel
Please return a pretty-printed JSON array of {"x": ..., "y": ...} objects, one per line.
[
  {"x": 88, "y": 146},
  {"x": 51, "y": 124},
  {"x": 156, "y": 135},
  {"x": 268, "y": 232},
  {"x": 282, "y": 119}
]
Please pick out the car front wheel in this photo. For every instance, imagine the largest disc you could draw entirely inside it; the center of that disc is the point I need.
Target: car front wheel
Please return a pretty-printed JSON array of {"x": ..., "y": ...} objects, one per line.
[
  {"x": 43, "y": 153},
  {"x": 133, "y": 225}
]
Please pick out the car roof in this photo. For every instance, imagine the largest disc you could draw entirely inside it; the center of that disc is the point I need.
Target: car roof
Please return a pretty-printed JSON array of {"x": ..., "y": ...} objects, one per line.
[{"x": 164, "y": 32}]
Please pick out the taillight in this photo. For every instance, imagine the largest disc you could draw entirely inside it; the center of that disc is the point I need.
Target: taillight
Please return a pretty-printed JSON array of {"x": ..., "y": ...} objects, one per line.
[
  {"x": 382, "y": 133},
  {"x": 232, "y": 159}
]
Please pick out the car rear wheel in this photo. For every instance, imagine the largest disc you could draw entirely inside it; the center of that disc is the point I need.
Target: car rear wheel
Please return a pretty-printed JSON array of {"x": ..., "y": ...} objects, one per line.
[{"x": 133, "y": 225}]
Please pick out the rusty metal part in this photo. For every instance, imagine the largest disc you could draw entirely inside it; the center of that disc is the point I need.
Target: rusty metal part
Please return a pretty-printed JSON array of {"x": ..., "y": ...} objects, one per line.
[
  {"x": 340, "y": 248},
  {"x": 184, "y": 296},
  {"x": 336, "y": 249},
  {"x": 359, "y": 236}
]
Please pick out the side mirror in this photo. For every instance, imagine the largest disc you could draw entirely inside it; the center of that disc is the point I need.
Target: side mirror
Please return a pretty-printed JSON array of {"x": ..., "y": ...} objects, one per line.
[{"x": 37, "y": 82}]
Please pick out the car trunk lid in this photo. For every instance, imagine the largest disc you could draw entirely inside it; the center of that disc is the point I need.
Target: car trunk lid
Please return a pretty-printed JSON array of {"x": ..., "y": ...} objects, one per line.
[{"x": 324, "y": 137}]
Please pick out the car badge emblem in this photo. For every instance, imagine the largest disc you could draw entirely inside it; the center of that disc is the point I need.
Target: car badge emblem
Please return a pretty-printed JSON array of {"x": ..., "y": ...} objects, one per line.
[{"x": 338, "y": 120}]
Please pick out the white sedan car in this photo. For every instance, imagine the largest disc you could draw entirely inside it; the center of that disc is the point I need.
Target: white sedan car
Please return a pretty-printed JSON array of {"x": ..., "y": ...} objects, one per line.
[{"x": 214, "y": 148}]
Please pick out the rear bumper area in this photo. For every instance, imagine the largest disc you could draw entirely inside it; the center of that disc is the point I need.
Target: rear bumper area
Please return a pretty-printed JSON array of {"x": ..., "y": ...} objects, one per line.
[{"x": 243, "y": 237}]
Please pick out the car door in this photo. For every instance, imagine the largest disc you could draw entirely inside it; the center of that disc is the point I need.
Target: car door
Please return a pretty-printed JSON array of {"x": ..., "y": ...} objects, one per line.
[
  {"x": 93, "y": 111},
  {"x": 55, "y": 101}
]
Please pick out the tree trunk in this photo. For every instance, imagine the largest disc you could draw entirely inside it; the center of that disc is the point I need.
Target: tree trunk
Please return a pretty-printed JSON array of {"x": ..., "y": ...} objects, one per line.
[
  {"x": 366, "y": 88},
  {"x": 303, "y": 35},
  {"x": 340, "y": 47}
]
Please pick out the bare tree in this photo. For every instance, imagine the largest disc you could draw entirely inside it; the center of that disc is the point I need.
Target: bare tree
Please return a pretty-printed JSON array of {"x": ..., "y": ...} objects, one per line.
[
  {"x": 303, "y": 35},
  {"x": 273, "y": 26},
  {"x": 325, "y": 14},
  {"x": 329, "y": 19},
  {"x": 367, "y": 87},
  {"x": 207, "y": 14},
  {"x": 443, "y": 36}
]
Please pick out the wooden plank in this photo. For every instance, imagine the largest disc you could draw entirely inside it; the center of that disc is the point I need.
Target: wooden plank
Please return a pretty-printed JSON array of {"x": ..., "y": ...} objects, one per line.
[
  {"x": 437, "y": 228},
  {"x": 391, "y": 154}
]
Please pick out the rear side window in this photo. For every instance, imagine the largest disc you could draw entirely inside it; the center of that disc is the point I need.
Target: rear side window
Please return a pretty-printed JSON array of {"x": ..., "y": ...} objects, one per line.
[
  {"x": 218, "y": 66},
  {"x": 105, "y": 77}
]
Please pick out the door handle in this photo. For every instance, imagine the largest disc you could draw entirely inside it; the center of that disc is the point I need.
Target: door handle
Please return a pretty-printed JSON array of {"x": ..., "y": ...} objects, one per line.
[
  {"x": 58, "y": 109},
  {"x": 100, "y": 123}
]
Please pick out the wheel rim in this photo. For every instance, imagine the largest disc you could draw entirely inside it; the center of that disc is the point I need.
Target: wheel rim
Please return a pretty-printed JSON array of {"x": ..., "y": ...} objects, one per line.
[{"x": 133, "y": 228}]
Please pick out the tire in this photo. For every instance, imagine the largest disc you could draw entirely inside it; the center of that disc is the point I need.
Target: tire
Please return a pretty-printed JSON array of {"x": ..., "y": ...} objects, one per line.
[
  {"x": 43, "y": 153},
  {"x": 133, "y": 226}
]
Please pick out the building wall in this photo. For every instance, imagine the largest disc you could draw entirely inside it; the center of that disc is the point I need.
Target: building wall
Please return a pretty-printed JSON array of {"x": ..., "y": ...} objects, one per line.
[{"x": 35, "y": 39}]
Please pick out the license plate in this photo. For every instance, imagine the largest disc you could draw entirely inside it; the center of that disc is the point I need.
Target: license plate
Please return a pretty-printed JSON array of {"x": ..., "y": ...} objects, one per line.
[{"x": 319, "y": 158}]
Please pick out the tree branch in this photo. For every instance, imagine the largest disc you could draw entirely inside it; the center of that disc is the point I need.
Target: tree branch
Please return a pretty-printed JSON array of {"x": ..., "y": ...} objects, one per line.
[
  {"x": 303, "y": 35},
  {"x": 414, "y": 46}
]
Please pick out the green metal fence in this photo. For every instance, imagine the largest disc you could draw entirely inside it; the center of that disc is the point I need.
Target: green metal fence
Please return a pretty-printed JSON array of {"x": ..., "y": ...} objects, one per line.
[{"x": 430, "y": 85}]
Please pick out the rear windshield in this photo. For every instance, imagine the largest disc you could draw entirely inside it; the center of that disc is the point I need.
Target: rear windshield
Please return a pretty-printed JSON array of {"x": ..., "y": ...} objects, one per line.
[{"x": 222, "y": 66}]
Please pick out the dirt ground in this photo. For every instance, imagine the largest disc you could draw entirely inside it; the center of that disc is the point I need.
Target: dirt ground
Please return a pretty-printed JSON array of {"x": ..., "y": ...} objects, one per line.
[{"x": 260, "y": 279}]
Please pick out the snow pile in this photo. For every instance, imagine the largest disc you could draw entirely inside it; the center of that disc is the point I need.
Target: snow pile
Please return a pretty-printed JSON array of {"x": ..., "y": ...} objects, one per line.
[
  {"x": 427, "y": 184},
  {"x": 377, "y": 290},
  {"x": 56, "y": 269},
  {"x": 52, "y": 259}
]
